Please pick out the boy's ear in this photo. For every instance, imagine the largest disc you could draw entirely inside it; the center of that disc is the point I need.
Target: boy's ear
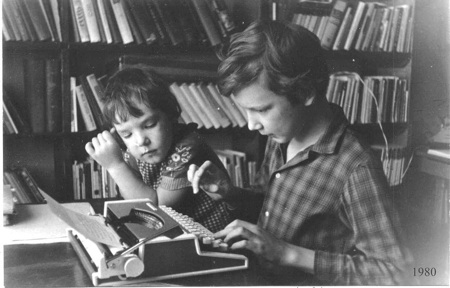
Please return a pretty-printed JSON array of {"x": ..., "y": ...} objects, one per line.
[{"x": 310, "y": 98}]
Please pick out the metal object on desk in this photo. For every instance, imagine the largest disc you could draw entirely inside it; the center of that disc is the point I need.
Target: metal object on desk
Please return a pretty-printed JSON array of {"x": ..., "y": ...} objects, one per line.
[{"x": 158, "y": 243}]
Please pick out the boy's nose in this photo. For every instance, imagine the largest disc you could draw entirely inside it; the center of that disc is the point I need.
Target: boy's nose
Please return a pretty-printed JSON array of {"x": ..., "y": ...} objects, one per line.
[{"x": 253, "y": 123}]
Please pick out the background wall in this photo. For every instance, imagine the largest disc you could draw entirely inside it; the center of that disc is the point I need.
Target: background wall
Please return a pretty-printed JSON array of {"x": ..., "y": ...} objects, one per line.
[{"x": 430, "y": 80}]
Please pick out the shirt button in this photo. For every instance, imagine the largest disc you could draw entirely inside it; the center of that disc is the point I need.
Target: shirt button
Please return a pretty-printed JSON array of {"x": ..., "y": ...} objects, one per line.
[
  {"x": 277, "y": 175},
  {"x": 267, "y": 213}
]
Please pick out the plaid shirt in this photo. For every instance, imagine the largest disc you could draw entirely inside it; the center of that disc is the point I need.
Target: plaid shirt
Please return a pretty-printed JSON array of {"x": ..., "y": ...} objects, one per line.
[
  {"x": 333, "y": 198},
  {"x": 171, "y": 174}
]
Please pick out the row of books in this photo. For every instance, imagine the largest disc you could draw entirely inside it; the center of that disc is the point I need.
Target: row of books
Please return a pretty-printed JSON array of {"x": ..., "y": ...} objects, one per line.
[
  {"x": 367, "y": 26},
  {"x": 168, "y": 22},
  {"x": 92, "y": 181},
  {"x": 200, "y": 103},
  {"x": 242, "y": 171},
  {"x": 42, "y": 113},
  {"x": 371, "y": 99},
  {"x": 24, "y": 188},
  {"x": 31, "y": 20},
  {"x": 393, "y": 160}
]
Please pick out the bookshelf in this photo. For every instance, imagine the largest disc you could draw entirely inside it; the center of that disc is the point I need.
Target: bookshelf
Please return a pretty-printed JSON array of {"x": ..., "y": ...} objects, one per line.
[
  {"x": 363, "y": 66},
  {"x": 50, "y": 154},
  {"x": 184, "y": 62}
]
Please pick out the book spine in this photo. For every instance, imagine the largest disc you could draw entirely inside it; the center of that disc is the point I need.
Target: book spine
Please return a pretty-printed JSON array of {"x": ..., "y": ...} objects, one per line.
[
  {"x": 163, "y": 38},
  {"x": 220, "y": 99},
  {"x": 122, "y": 22},
  {"x": 98, "y": 18},
  {"x": 53, "y": 95},
  {"x": 104, "y": 21},
  {"x": 81, "y": 21},
  {"x": 38, "y": 19},
  {"x": 8, "y": 121},
  {"x": 204, "y": 106},
  {"x": 166, "y": 13},
  {"x": 143, "y": 20},
  {"x": 115, "y": 33},
  {"x": 48, "y": 16},
  {"x": 73, "y": 106},
  {"x": 184, "y": 101},
  {"x": 91, "y": 21},
  {"x": 184, "y": 113},
  {"x": 96, "y": 89},
  {"x": 363, "y": 32},
  {"x": 135, "y": 31},
  {"x": 95, "y": 108},
  {"x": 343, "y": 30},
  {"x": 55, "y": 11},
  {"x": 31, "y": 183},
  {"x": 334, "y": 22},
  {"x": 195, "y": 104},
  {"x": 86, "y": 112},
  {"x": 26, "y": 20},
  {"x": 13, "y": 9},
  {"x": 219, "y": 111},
  {"x": 8, "y": 13},
  {"x": 349, "y": 43},
  {"x": 204, "y": 13},
  {"x": 34, "y": 74}
]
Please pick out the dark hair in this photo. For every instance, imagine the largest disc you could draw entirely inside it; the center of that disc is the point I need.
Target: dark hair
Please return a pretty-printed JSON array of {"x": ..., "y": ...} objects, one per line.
[
  {"x": 289, "y": 57},
  {"x": 137, "y": 83}
]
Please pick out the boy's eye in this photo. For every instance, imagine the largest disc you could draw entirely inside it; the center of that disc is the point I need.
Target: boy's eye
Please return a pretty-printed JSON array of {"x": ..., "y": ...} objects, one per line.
[
  {"x": 150, "y": 124},
  {"x": 262, "y": 110}
]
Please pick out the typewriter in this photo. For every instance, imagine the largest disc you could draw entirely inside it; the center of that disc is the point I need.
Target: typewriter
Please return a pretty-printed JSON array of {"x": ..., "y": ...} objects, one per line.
[{"x": 157, "y": 243}]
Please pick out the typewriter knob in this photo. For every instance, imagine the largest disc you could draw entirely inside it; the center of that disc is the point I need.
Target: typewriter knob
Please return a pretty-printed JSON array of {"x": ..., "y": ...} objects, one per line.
[{"x": 133, "y": 267}]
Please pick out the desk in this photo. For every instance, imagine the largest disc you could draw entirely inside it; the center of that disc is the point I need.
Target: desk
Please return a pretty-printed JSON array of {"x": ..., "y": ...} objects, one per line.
[{"x": 57, "y": 265}]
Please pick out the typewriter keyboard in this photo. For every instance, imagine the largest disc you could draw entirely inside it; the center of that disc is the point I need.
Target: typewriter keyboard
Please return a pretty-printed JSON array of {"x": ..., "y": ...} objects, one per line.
[{"x": 205, "y": 236}]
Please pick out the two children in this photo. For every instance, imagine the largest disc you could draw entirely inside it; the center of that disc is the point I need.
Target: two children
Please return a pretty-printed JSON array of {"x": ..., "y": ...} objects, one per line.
[{"x": 144, "y": 114}]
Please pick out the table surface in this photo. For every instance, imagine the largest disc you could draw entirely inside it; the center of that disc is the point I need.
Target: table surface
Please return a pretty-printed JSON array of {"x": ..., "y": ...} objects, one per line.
[{"x": 57, "y": 265}]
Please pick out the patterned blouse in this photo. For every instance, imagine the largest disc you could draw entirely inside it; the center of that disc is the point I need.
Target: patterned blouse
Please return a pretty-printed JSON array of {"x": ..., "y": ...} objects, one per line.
[{"x": 171, "y": 174}]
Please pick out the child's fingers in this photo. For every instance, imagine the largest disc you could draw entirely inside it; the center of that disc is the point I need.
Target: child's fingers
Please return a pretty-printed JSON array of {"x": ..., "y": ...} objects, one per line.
[
  {"x": 89, "y": 148},
  {"x": 193, "y": 178}
]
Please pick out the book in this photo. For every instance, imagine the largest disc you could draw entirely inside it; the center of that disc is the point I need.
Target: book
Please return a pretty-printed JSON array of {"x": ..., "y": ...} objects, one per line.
[
  {"x": 11, "y": 7},
  {"x": 334, "y": 22},
  {"x": 8, "y": 33},
  {"x": 203, "y": 106},
  {"x": 90, "y": 20},
  {"x": 166, "y": 11},
  {"x": 343, "y": 29},
  {"x": 113, "y": 26},
  {"x": 364, "y": 31},
  {"x": 185, "y": 112},
  {"x": 93, "y": 103},
  {"x": 86, "y": 112},
  {"x": 55, "y": 11},
  {"x": 34, "y": 82},
  {"x": 204, "y": 13},
  {"x": 122, "y": 22},
  {"x": 227, "y": 105},
  {"x": 99, "y": 21},
  {"x": 73, "y": 106},
  {"x": 200, "y": 34},
  {"x": 394, "y": 29},
  {"x": 53, "y": 98},
  {"x": 216, "y": 107},
  {"x": 104, "y": 21},
  {"x": 373, "y": 26},
  {"x": 32, "y": 185},
  {"x": 97, "y": 90},
  {"x": 406, "y": 11},
  {"x": 8, "y": 123},
  {"x": 163, "y": 37},
  {"x": 185, "y": 21},
  {"x": 443, "y": 153},
  {"x": 48, "y": 15},
  {"x": 356, "y": 25},
  {"x": 143, "y": 20},
  {"x": 135, "y": 32},
  {"x": 17, "y": 116},
  {"x": 80, "y": 20},
  {"x": 26, "y": 20},
  {"x": 193, "y": 102}
]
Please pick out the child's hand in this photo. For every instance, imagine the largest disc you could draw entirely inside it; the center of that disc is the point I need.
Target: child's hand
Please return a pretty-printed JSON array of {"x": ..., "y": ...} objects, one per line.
[
  {"x": 105, "y": 150},
  {"x": 210, "y": 179}
]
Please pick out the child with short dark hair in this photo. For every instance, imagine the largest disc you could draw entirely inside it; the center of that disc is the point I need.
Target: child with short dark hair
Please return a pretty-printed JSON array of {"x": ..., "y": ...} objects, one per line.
[{"x": 144, "y": 114}]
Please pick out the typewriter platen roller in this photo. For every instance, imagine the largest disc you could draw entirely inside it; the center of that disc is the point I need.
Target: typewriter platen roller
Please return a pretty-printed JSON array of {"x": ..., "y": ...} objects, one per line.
[{"x": 158, "y": 243}]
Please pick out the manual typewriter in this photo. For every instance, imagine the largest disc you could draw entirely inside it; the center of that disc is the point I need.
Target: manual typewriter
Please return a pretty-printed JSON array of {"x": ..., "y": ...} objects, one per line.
[{"x": 157, "y": 243}]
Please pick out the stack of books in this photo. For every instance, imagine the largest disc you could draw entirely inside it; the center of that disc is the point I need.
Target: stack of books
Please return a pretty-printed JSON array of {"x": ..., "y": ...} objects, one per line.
[{"x": 242, "y": 171}]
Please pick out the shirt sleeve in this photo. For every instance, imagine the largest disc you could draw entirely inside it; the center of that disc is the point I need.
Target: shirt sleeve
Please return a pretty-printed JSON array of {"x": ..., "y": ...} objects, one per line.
[
  {"x": 174, "y": 176},
  {"x": 378, "y": 257}
]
